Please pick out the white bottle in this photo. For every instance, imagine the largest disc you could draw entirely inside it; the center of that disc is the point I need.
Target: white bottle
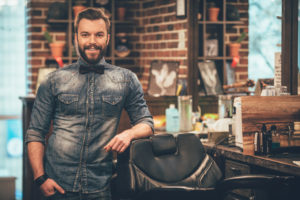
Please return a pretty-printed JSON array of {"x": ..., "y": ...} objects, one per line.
[{"x": 172, "y": 119}]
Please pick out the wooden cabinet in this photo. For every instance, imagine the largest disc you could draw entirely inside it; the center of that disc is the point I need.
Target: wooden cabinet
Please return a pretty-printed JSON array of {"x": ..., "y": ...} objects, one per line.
[{"x": 233, "y": 168}]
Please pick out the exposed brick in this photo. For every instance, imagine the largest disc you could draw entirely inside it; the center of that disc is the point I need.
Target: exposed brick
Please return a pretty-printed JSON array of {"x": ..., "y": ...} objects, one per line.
[
  {"x": 183, "y": 71},
  {"x": 152, "y": 12},
  {"x": 149, "y": 4},
  {"x": 163, "y": 10},
  {"x": 35, "y": 62},
  {"x": 159, "y": 36},
  {"x": 242, "y": 7},
  {"x": 40, "y": 53},
  {"x": 169, "y": 18},
  {"x": 172, "y": 45},
  {"x": 171, "y": 9},
  {"x": 244, "y": 15},
  {"x": 34, "y": 45},
  {"x": 244, "y": 61},
  {"x": 33, "y": 70},
  {"x": 155, "y": 20},
  {"x": 35, "y": 13},
  {"x": 243, "y": 76},
  {"x": 156, "y": 28},
  {"x": 243, "y": 54},
  {"x": 36, "y": 37},
  {"x": 140, "y": 29},
  {"x": 60, "y": 38},
  {"x": 164, "y": 2},
  {"x": 241, "y": 69},
  {"x": 36, "y": 21},
  {"x": 36, "y": 29},
  {"x": 170, "y": 27},
  {"x": 163, "y": 45},
  {"x": 244, "y": 46},
  {"x": 149, "y": 29},
  {"x": 149, "y": 46}
]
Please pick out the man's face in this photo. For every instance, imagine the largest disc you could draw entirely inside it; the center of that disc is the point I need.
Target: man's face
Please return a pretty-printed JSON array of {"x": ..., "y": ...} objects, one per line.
[{"x": 92, "y": 40}]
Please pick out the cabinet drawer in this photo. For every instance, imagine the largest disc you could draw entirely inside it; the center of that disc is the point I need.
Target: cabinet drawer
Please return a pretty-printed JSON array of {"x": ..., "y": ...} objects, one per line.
[{"x": 233, "y": 168}]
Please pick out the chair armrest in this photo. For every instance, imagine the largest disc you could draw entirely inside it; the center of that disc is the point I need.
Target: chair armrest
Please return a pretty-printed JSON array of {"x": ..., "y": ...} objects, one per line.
[
  {"x": 271, "y": 184},
  {"x": 253, "y": 181}
]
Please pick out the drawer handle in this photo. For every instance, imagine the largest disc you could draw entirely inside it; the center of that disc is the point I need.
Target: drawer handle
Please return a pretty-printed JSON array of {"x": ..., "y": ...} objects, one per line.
[{"x": 235, "y": 170}]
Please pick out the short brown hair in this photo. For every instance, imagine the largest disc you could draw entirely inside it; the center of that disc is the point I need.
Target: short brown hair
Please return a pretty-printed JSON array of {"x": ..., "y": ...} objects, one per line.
[{"x": 92, "y": 14}]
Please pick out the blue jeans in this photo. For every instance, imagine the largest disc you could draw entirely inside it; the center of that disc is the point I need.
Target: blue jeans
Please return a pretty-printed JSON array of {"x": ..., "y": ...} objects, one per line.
[{"x": 103, "y": 195}]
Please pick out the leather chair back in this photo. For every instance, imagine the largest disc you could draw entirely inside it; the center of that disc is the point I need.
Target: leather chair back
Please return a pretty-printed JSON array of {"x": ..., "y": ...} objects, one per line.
[{"x": 166, "y": 162}]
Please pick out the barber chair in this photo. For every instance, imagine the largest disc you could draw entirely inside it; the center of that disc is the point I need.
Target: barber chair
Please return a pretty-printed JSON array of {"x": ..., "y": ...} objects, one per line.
[{"x": 174, "y": 167}]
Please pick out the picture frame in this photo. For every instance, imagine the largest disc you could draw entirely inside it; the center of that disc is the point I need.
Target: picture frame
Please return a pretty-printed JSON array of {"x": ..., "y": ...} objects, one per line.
[
  {"x": 211, "y": 47},
  {"x": 42, "y": 73},
  {"x": 163, "y": 78},
  {"x": 210, "y": 78}
]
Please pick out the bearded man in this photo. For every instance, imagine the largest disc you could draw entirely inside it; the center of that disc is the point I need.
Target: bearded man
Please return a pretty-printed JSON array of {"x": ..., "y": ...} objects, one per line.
[{"x": 84, "y": 102}]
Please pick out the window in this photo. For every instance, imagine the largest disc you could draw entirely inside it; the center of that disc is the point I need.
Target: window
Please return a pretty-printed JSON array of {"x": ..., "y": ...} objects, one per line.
[
  {"x": 264, "y": 37},
  {"x": 12, "y": 86}
]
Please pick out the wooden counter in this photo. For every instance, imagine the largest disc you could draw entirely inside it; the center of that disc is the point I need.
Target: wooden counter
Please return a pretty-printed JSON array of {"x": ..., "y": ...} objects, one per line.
[{"x": 281, "y": 163}]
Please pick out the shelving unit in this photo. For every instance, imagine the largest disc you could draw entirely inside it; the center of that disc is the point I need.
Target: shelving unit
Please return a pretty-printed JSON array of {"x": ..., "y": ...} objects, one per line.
[
  {"x": 110, "y": 57},
  {"x": 201, "y": 29},
  {"x": 209, "y": 28}
]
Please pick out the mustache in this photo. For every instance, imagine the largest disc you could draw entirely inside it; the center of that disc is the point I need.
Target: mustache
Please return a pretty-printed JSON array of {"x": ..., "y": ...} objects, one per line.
[{"x": 93, "y": 46}]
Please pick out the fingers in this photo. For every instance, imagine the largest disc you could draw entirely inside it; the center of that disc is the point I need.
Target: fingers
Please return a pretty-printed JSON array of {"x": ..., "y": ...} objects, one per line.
[
  {"x": 116, "y": 144},
  {"x": 59, "y": 189},
  {"x": 50, "y": 187}
]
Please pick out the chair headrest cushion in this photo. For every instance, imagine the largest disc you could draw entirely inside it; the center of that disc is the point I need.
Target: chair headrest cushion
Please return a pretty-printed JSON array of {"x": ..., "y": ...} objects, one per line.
[{"x": 163, "y": 144}]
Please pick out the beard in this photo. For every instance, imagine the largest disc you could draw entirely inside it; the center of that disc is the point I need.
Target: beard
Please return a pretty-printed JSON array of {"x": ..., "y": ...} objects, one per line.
[{"x": 93, "y": 61}]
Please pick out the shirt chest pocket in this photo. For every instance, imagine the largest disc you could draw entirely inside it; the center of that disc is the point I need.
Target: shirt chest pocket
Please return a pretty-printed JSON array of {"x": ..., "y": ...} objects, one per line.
[
  {"x": 68, "y": 103},
  {"x": 111, "y": 105}
]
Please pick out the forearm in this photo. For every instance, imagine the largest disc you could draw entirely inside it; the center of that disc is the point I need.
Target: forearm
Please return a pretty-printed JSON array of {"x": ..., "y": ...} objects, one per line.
[
  {"x": 36, "y": 154},
  {"x": 121, "y": 141},
  {"x": 140, "y": 130}
]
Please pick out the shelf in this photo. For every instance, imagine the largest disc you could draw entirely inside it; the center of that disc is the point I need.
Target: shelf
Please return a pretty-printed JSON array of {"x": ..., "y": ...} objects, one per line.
[
  {"x": 220, "y": 22},
  {"x": 123, "y": 22},
  {"x": 60, "y": 21},
  {"x": 215, "y": 58}
]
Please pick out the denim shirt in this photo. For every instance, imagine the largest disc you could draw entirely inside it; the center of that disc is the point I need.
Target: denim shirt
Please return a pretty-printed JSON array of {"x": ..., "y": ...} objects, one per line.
[{"x": 85, "y": 111}]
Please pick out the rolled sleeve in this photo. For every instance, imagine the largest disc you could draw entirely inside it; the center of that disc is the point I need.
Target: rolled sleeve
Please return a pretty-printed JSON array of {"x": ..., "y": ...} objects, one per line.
[
  {"x": 42, "y": 113},
  {"x": 136, "y": 106}
]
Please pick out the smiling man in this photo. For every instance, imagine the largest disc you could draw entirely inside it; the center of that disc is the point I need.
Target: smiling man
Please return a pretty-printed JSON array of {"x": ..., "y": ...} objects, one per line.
[{"x": 84, "y": 101}]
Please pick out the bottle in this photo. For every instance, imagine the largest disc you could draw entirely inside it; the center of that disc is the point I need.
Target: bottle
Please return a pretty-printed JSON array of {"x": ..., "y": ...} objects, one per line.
[
  {"x": 269, "y": 142},
  {"x": 275, "y": 137},
  {"x": 257, "y": 143},
  {"x": 172, "y": 119},
  {"x": 263, "y": 140}
]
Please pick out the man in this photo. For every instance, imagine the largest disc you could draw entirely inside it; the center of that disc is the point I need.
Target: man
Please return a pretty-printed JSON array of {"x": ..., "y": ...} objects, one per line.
[{"x": 84, "y": 101}]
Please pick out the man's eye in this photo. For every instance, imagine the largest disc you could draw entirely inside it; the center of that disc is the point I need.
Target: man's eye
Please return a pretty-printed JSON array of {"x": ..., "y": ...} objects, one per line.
[
  {"x": 100, "y": 35},
  {"x": 84, "y": 35}
]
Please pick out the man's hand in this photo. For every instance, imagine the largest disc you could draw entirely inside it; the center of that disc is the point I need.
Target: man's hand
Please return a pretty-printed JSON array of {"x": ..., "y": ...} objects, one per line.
[
  {"x": 49, "y": 188},
  {"x": 120, "y": 142}
]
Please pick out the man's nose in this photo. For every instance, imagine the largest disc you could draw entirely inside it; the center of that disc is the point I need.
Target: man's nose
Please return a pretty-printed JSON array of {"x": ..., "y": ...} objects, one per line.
[{"x": 92, "y": 39}]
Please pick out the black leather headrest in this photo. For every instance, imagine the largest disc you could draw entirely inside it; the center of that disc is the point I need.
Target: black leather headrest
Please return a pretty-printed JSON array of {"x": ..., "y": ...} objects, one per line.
[
  {"x": 163, "y": 144},
  {"x": 167, "y": 167}
]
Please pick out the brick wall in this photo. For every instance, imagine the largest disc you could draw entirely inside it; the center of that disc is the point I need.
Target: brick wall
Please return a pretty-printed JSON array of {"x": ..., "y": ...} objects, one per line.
[
  {"x": 156, "y": 35},
  {"x": 38, "y": 48},
  {"x": 159, "y": 35},
  {"x": 241, "y": 70}
]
